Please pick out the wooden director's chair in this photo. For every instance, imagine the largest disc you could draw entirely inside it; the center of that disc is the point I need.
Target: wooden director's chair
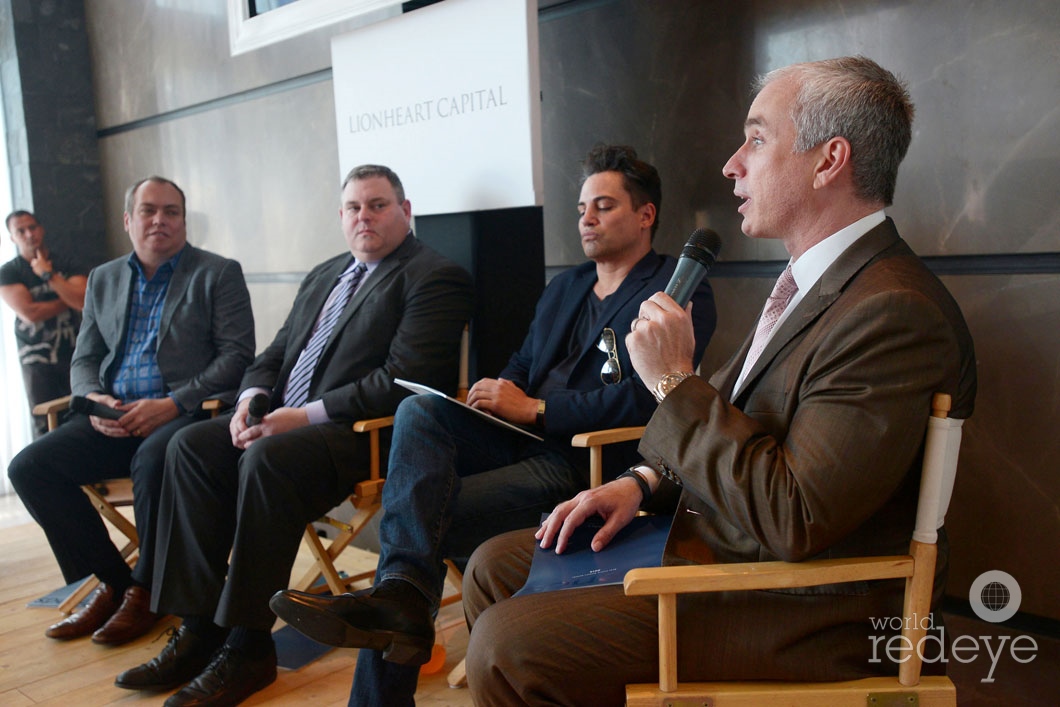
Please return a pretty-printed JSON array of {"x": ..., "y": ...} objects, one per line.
[
  {"x": 918, "y": 568},
  {"x": 367, "y": 501},
  {"x": 107, "y": 497}
]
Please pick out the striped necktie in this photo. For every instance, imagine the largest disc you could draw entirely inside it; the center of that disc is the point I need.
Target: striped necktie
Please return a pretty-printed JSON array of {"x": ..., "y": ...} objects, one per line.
[
  {"x": 778, "y": 300},
  {"x": 297, "y": 391}
]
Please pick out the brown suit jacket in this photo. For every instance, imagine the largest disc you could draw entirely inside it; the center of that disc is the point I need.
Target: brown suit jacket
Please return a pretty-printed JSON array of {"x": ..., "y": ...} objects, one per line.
[{"x": 819, "y": 454}]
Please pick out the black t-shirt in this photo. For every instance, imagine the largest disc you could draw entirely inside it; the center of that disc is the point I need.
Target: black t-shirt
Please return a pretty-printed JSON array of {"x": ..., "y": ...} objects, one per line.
[
  {"x": 51, "y": 341},
  {"x": 584, "y": 330}
]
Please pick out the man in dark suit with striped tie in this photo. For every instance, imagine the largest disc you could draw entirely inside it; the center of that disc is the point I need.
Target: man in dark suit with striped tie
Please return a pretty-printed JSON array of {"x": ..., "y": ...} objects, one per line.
[{"x": 388, "y": 308}]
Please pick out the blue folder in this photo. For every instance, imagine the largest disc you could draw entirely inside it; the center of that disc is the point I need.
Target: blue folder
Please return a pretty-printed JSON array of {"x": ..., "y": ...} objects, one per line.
[{"x": 639, "y": 544}]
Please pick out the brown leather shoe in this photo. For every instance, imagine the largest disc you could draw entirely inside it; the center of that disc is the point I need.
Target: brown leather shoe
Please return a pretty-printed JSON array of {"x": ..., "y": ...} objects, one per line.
[
  {"x": 132, "y": 619},
  {"x": 102, "y": 603}
]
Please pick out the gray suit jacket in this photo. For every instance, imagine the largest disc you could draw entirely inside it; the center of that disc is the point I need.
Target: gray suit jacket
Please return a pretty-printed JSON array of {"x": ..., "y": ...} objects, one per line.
[
  {"x": 819, "y": 455},
  {"x": 404, "y": 321},
  {"x": 205, "y": 338}
]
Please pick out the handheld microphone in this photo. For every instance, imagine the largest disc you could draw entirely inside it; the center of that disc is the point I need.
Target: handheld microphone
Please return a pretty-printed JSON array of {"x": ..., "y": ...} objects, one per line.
[
  {"x": 91, "y": 407},
  {"x": 258, "y": 408},
  {"x": 697, "y": 257}
]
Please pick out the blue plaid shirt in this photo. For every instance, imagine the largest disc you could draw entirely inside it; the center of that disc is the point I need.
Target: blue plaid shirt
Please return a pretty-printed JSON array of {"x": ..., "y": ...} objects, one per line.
[{"x": 138, "y": 376}]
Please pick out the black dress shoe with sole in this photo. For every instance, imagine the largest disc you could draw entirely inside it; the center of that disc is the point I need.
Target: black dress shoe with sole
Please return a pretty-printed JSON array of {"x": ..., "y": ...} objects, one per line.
[
  {"x": 404, "y": 633},
  {"x": 231, "y": 677},
  {"x": 185, "y": 656}
]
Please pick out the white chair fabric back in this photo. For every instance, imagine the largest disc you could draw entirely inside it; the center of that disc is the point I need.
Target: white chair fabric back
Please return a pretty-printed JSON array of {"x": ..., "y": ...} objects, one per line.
[{"x": 941, "y": 449}]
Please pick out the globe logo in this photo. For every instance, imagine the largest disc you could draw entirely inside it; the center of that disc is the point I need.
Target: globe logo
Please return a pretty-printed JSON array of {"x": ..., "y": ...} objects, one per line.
[{"x": 995, "y": 596}]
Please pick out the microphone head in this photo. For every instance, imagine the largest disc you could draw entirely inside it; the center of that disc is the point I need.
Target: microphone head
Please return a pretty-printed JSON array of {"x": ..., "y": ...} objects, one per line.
[
  {"x": 259, "y": 405},
  {"x": 704, "y": 246}
]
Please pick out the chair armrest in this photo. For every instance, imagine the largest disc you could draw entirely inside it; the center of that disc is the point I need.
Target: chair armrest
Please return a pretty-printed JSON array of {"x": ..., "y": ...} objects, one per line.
[
  {"x": 611, "y": 436},
  {"x": 595, "y": 441},
  {"x": 375, "y": 472},
  {"x": 684, "y": 579},
  {"x": 212, "y": 406},
  {"x": 375, "y": 423},
  {"x": 51, "y": 407}
]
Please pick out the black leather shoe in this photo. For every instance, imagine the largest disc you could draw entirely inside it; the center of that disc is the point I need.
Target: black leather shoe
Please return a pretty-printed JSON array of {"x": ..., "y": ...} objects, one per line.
[
  {"x": 184, "y": 657},
  {"x": 403, "y": 631},
  {"x": 231, "y": 677}
]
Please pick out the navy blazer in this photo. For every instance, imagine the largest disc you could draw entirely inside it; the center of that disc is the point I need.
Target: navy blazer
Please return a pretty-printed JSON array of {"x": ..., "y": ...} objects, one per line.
[
  {"x": 205, "y": 338},
  {"x": 585, "y": 403}
]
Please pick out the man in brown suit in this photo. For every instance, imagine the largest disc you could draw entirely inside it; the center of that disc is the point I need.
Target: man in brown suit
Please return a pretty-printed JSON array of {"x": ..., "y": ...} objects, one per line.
[{"x": 779, "y": 455}]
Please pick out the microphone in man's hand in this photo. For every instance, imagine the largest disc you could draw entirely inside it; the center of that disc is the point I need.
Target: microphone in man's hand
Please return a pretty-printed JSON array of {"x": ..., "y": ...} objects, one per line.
[
  {"x": 697, "y": 257},
  {"x": 258, "y": 408},
  {"x": 91, "y": 407}
]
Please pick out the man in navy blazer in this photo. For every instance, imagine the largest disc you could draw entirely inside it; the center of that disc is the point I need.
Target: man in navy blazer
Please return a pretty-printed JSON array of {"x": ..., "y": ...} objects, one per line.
[
  {"x": 455, "y": 479},
  {"x": 389, "y": 307},
  {"x": 164, "y": 329}
]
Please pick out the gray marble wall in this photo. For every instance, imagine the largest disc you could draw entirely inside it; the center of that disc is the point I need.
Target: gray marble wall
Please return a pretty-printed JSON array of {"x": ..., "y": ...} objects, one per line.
[{"x": 252, "y": 139}]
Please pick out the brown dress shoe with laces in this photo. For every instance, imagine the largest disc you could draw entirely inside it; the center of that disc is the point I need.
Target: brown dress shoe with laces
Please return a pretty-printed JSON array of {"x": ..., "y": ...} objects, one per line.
[
  {"x": 132, "y": 619},
  {"x": 102, "y": 603}
]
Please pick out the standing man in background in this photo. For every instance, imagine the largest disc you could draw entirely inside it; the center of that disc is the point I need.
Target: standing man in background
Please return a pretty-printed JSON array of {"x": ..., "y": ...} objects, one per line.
[
  {"x": 165, "y": 328},
  {"x": 47, "y": 293}
]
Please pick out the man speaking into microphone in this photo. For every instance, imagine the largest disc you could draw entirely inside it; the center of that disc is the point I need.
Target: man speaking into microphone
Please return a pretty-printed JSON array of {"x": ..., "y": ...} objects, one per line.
[{"x": 455, "y": 480}]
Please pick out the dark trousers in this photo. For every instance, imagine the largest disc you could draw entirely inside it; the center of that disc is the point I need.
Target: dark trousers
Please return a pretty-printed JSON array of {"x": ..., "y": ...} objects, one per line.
[
  {"x": 49, "y": 473},
  {"x": 218, "y": 499}
]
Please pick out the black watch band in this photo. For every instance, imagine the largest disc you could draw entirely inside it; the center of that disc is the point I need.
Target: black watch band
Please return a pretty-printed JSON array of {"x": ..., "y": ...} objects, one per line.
[{"x": 645, "y": 489}]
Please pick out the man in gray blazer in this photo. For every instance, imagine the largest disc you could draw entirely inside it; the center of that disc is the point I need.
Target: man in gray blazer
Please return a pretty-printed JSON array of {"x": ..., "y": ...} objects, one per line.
[
  {"x": 388, "y": 308},
  {"x": 164, "y": 328},
  {"x": 810, "y": 448}
]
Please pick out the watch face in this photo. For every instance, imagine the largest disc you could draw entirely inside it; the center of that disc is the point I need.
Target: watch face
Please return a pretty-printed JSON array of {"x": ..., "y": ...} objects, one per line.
[{"x": 46, "y": 275}]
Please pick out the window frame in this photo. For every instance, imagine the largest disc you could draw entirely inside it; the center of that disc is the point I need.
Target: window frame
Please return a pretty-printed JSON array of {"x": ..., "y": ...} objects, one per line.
[{"x": 246, "y": 33}]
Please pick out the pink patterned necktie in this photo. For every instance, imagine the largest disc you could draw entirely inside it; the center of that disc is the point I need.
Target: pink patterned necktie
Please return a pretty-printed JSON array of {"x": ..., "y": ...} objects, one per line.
[{"x": 778, "y": 300}]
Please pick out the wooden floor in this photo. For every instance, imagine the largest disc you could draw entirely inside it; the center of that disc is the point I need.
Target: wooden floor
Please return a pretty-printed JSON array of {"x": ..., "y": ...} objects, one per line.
[{"x": 35, "y": 670}]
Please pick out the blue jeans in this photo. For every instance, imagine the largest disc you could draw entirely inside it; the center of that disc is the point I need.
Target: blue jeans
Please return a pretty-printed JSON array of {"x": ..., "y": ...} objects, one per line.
[{"x": 453, "y": 480}]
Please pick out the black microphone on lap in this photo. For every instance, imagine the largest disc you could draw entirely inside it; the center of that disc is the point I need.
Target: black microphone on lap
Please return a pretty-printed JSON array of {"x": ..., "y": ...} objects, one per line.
[
  {"x": 87, "y": 406},
  {"x": 697, "y": 257},
  {"x": 258, "y": 408}
]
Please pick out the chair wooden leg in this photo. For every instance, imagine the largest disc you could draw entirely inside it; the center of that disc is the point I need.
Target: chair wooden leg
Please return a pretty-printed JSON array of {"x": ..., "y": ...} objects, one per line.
[
  {"x": 78, "y": 595},
  {"x": 324, "y": 565},
  {"x": 457, "y": 677},
  {"x": 916, "y": 610},
  {"x": 129, "y": 551}
]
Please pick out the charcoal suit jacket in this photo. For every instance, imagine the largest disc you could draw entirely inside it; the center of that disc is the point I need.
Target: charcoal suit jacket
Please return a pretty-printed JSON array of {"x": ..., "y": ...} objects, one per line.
[
  {"x": 205, "y": 337},
  {"x": 404, "y": 321}
]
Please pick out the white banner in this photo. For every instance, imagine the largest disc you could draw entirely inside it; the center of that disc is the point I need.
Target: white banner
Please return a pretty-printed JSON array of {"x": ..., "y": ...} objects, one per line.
[{"x": 448, "y": 96}]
